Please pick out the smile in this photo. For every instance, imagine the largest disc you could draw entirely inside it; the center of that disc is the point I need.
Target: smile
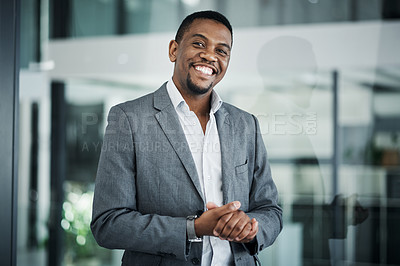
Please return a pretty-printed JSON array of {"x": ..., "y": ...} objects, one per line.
[{"x": 205, "y": 70}]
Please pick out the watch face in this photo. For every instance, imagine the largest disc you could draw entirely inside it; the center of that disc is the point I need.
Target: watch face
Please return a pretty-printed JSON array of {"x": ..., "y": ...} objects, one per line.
[
  {"x": 196, "y": 240},
  {"x": 192, "y": 217}
]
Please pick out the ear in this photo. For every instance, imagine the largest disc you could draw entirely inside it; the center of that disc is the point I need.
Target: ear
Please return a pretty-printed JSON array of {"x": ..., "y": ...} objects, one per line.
[{"x": 173, "y": 47}]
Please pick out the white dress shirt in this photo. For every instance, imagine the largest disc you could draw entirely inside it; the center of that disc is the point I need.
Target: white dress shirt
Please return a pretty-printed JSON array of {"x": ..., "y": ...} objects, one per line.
[{"x": 206, "y": 152}]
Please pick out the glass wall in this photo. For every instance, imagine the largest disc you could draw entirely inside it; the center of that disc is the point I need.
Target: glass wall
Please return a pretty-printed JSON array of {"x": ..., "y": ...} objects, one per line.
[
  {"x": 324, "y": 88},
  {"x": 105, "y": 17}
]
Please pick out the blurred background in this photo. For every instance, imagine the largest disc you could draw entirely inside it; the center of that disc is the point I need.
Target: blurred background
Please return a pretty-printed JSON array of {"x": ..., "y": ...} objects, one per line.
[{"x": 322, "y": 76}]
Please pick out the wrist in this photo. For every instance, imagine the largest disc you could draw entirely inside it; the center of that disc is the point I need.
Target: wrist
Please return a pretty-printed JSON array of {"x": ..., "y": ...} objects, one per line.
[
  {"x": 197, "y": 228},
  {"x": 191, "y": 233}
]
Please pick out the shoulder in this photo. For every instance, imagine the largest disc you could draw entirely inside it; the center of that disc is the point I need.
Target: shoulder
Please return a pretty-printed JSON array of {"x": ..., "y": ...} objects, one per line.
[
  {"x": 234, "y": 110},
  {"x": 146, "y": 104},
  {"x": 237, "y": 114},
  {"x": 241, "y": 120},
  {"x": 141, "y": 104}
]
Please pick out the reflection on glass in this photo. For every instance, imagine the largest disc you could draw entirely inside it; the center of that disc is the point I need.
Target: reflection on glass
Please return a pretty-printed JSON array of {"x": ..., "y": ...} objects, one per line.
[
  {"x": 88, "y": 102},
  {"x": 80, "y": 246},
  {"x": 358, "y": 226}
]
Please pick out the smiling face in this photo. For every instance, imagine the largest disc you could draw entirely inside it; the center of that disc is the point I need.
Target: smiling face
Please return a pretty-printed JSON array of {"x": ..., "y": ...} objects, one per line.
[{"x": 201, "y": 57}]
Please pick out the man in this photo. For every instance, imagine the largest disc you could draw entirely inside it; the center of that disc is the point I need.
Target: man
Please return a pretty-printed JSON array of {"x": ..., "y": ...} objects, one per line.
[{"x": 183, "y": 178}]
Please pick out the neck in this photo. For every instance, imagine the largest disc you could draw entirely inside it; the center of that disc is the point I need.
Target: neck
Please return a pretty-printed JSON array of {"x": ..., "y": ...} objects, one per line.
[
  {"x": 199, "y": 104},
  {"x": 201, "y": 107}
]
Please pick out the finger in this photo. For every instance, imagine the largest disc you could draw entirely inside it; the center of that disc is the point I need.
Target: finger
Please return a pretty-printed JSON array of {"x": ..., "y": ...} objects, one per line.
[
  {"x": 254, "y": 230},
  {"x": 242, "y": 234},
  {"x": 252, "y": 234},
  {"x": 242, "y": 228},
  {"x": 221, "y": 224},
  {"x": 253, "y": 225},
  {"x": 233, "y": 224},
  {"x": 225, "y": 209}
]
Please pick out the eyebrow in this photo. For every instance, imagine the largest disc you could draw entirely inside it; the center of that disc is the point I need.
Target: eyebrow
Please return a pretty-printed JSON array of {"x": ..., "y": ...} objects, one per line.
[{"x": 204, "y": 37}]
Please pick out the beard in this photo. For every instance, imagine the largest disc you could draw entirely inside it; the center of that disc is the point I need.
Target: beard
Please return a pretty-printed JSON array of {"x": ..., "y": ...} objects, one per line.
[{"x": 194, "y": 89}]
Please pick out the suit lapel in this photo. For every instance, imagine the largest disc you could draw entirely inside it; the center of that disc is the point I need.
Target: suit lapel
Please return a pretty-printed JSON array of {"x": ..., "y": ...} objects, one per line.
[
  {"x": 225, "y": 131},
  {"x": 169, "y": 122}
]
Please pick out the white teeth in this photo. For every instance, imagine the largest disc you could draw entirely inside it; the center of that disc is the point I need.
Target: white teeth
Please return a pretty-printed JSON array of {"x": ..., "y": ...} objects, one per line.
[{"x": 204, "y": 70}]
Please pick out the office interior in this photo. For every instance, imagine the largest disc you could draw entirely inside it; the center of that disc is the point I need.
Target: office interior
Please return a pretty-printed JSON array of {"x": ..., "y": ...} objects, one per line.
[{"x": 321, "y": 76}]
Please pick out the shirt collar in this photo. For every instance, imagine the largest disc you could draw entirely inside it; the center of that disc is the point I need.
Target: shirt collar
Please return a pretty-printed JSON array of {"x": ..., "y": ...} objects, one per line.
[{"x": 178, "y": 101}]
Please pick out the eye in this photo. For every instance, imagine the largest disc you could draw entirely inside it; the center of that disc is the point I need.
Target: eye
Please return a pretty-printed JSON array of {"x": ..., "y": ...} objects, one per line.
[
  {"x": 198, "y": 44},
  {"x": 222, "y": 52}
]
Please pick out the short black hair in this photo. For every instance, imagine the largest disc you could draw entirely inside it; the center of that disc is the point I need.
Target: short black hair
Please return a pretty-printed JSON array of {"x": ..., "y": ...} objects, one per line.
[{"x": 208, "y": 14}]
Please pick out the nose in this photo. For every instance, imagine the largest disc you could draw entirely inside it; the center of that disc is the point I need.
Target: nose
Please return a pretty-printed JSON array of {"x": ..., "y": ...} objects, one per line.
[{"x": 208, "y": 55}]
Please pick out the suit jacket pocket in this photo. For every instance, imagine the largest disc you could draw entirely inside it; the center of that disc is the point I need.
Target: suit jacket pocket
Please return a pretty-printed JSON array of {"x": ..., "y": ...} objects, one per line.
[{"x": 241, "y": 168}]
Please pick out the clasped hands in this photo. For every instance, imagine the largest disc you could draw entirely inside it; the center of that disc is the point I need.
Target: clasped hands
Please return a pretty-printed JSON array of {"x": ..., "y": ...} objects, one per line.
[{"x": 226, "y": 222}]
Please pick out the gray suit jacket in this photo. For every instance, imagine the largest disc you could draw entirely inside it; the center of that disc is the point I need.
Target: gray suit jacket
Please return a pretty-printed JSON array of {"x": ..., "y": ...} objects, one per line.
[{"x": 147, "y": 183}]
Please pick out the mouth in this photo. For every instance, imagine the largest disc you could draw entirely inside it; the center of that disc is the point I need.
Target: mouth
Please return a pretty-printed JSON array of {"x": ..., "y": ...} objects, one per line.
[{"x": 205, "y": 69}]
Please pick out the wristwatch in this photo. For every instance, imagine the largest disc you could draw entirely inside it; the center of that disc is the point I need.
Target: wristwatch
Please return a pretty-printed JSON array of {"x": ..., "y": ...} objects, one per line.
[{"x": 191, "y": 233}]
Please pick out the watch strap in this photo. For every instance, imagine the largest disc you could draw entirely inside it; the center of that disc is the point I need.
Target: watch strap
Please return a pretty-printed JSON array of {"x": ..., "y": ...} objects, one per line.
[{"x": 190, "y": 230}]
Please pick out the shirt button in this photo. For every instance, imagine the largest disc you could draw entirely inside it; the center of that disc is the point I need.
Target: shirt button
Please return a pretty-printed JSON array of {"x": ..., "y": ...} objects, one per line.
[{"x": 195, "y": 261}]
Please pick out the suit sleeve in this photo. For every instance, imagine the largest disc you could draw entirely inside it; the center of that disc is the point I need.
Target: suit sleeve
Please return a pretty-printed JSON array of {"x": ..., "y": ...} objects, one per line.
[
  {"x": 263, "y": 200},
  {"x": 116, "y": 223}
]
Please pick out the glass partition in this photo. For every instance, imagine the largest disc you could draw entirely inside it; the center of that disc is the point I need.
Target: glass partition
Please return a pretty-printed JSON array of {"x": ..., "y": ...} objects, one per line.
[
  {"x": 88, "y": 105},
  {"x": 357, "y": 225},
  {"x": 326, "y": 96}
]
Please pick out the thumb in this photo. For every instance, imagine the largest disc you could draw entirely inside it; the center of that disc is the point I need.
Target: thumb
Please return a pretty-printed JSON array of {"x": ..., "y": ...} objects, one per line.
[
  {"x": 254, "y": 224},
  {"x": 232, "y": 206},
  {"x": 236, "y": 205},
  {"x": 211, "y": 205},
  {"x": 227, "y": 208}
]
